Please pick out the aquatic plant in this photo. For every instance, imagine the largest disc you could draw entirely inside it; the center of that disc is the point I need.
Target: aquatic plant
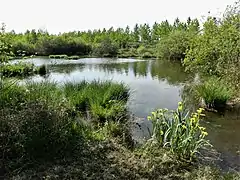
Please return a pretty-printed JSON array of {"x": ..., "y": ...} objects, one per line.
[
  {"x": 73, "y": 57},
  {"x": 214, "y": 91},
  {"x": 61, "y": 56},
  {"x": 103, "y": 99},
  {"x": 179, "y": 131}
]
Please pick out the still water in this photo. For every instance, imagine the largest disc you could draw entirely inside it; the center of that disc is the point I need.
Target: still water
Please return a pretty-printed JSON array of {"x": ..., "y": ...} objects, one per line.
[{"x": 154, "y": 84}]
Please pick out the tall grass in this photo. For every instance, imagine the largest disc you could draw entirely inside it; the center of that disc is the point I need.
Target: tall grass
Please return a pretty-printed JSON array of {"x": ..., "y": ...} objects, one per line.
[
  {"x": 11, "y": 95},
  {"x": 179, "y": 131},
  {"x": 104, "y": 100},
  {"x": 20, "y": 69},
  {"x": 36, "y": 120},
  {"x": 34, "y": 125},
  {"x": 215, "y": 92}
]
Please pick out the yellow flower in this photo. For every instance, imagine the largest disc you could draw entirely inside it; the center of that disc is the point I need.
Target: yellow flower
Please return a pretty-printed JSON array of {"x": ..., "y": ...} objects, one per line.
[
  {"x": 192, "y": 119},
  {"x": 202, "y": 128},
  {"x": 204, "y": 133},
  {"x": 202, "y": 109},
  {"x": 180, "y": 106},
  {"x": 199, "y": 111},
  {"x": 194, "y": 116}
]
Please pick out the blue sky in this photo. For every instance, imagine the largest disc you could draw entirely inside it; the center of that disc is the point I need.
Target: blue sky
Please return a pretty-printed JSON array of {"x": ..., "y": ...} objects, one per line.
[{"x": 68, "y": 15}]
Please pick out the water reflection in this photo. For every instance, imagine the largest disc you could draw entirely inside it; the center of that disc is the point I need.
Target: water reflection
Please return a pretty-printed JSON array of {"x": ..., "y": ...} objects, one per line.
[
  {"x": 224, "y": 134},
  {"x": 65, "y": 68},
  {"x": 173, "y": 73}
]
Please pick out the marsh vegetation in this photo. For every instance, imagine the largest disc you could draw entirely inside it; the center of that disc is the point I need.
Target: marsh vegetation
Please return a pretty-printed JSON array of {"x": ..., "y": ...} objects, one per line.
[{"x": 76, "y": 122}]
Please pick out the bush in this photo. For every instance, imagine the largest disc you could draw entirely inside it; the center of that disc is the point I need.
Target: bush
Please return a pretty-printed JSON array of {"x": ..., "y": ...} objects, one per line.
[
  {"x": 127, "y": 53},
  {"x": 216, "y": 50},
  {"x": 105, "y": 49},
  {"x": 146, "y": 52},
  {"x": 215, "y": 92},
  {"x": 22, "y": 48},
  {"x": 174, "y": 45},
  {"x": 178, "y": 131},
  {"x": 47, "y": 45}
]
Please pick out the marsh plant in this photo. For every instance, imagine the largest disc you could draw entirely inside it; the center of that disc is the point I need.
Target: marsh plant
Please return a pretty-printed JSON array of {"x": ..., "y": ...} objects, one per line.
[
  {"x": 179, "y": 131},
  {"x": 215, "y": 92},
  {"x": 21, "y": 70},
  {"x": 61, "y": 56},
  {"x": 104, "y": 100}
]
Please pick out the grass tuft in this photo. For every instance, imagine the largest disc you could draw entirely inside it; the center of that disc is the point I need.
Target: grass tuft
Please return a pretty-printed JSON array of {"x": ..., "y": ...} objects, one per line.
[{"x": 215, "y": 92}]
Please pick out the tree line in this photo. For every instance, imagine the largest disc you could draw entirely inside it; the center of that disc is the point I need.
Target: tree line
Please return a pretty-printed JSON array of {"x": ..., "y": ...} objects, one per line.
[{"x": 99, "y": 42}]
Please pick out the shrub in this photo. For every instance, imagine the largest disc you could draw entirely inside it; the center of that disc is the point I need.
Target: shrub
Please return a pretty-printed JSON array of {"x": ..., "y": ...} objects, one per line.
[
  {"x": 106, "y": 49},
  {"x": 146, "y": 52},
  {"x": 174, "y": 45},
  {"x": 216, "y": 50},
  {"x": 147, "y": 55},
  {"x": 126, "y": 53},
  {"x": 178, "y": 131},
  {"x": 215, "y": 92}
]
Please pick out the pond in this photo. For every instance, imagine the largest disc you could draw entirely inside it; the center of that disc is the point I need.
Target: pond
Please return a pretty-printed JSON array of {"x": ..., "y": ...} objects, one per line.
[{"x": 154, "y": 84}]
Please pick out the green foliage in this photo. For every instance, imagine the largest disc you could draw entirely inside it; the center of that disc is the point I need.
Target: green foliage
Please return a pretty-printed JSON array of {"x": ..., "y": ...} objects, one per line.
[
  {"x": 105, "y": 42},
  {"x": 174, "y": 45},
  {"x": 31, "y": 127},
  {"x": 215, "y": 92},
  {"x": 105, "y": 49},
  {"x": 11, "y": 94},
  {"x": 20, "y": 69},
  {"x": 62, "y": 56},
  {"x": 216, "y": 50},
  {"x": 35, "y": 131},
  {"x": 74, "y": 57},
  {"x": 178, "y": 131},
  {"x": 127, "y": 53},
  {"x": 146, "y": 51},
  {"x": 104, "y": 100},
  {"x": 5, "y": 47},
  {"x": 40, "y": 121}
]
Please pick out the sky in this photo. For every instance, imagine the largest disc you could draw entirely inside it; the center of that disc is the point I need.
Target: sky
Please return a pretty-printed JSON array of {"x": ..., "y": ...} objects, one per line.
[{"x": 68, "y": 15}]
